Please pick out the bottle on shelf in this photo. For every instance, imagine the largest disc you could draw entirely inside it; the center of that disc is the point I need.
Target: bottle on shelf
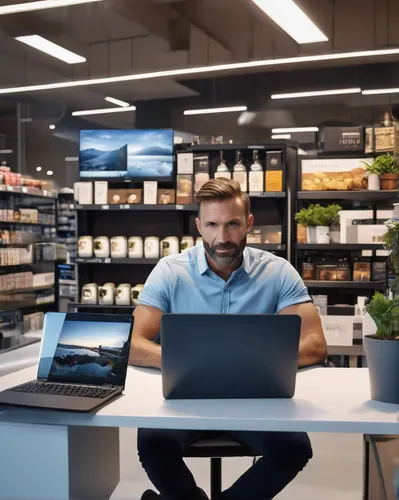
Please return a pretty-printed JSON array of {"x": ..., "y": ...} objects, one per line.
[
  {"x": 240, "y": 172},
  {"x": 222, "y": 170},
  {"x": 256, "y": 175}
]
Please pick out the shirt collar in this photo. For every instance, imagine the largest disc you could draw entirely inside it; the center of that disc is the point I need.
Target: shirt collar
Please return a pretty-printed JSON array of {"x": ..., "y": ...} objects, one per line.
[{"x": 203, "y": 265}]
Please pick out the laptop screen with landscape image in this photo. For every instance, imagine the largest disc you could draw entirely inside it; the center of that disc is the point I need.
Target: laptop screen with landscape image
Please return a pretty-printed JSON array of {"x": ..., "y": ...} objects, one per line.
[{"x": 91, "y": 352}]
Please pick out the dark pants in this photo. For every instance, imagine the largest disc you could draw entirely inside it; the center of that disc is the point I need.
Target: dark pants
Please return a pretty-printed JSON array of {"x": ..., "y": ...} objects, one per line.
[{"x": 284, "y": 454}]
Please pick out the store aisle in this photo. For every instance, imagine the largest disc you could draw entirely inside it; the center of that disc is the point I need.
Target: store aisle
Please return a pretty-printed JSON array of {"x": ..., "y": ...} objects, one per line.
[{"x": 334, "y": 455}]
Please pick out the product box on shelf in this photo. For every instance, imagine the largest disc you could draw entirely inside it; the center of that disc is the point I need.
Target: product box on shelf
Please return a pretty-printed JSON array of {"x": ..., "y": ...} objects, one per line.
[
  {"x": 340, "y": 174},
  {"x": 150, "y": 192},
  {"x": 100, "y": 192},
  {"x": 308, "y": 271},
  {"x": 361, "y": 271},
  {"x": 274, "y": 177},
  {"x": 365, "y": 233},
  {"x": 184, "y": 189},
  {"x": 382, "y": 139},
  {"x": 166, "y": 196},
  {"x": 321, "y": 303},
  {"x": 201, "y": 172},
  {"x": 85, "y": 191},
  {"x": 265, "y": 234},
  {"x": 43, "y": 279},
  {"x": 341, "y": 139},
  {"x": 185, "y": 163},
  {"x": 332, "y": 272},
  {"x": 125, "y": 196}
]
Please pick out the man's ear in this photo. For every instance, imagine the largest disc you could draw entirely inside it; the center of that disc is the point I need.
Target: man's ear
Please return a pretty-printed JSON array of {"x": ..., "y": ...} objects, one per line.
[
  {"x": 250, "y": 222},
  {"x": 198, "y": 223}
]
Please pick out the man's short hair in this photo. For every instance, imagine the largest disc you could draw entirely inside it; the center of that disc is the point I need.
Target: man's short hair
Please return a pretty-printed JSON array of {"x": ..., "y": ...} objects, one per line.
[{"x": 222, "y": 189}]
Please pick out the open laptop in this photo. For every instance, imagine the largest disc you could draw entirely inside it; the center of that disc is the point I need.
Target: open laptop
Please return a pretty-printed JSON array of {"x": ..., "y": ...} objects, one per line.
[
  {"x": 83, "y": 363},
  {"x": 207, "y": 356}
]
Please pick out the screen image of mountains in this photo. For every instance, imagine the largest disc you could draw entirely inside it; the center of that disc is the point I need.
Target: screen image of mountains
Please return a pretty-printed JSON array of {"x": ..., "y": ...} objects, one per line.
[
  {"x": 126, "y": 154},
  {"x": 97, "y": 351}
]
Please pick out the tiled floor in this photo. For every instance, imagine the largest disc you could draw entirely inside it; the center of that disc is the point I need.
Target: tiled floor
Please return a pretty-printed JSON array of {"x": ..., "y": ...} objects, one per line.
[{"x": 334, "y": 473}]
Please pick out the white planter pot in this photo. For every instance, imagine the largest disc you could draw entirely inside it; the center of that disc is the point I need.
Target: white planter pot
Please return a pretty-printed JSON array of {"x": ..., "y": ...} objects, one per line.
[
  {"x": 322, "y": 235},
  {"x": 374, "y": 182},
  {"x": 335, "y": 234},
  {"x": 311, "y": 235}
]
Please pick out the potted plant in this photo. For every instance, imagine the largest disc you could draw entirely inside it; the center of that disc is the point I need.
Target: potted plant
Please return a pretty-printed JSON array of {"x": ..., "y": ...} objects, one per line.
[
  {"x": 386, "y": 166},
  {"x": 317, "y": 220},
  {"x": 373, "y": 176},
  {"x": 382, "y": 349}
]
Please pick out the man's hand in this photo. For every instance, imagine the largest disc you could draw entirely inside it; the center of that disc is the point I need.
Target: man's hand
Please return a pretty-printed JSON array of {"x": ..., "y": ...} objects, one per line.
[
  {"x": 143, "y": 351},
  {"x": 312, "y": 346}
]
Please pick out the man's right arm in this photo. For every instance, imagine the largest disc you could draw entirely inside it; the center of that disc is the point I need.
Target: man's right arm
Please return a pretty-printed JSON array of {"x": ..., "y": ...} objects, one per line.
[
  {"x": 153, "y": 303},
  {"x": 144, "y": 351}
]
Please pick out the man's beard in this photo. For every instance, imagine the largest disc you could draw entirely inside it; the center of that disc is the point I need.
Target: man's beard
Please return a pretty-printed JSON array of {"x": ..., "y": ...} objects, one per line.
[{"x": 225, "y": 259}]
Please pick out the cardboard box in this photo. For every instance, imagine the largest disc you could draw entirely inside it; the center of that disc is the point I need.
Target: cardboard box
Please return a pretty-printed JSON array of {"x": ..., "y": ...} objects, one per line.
[
  {"x": 346, "y": 174},
  {"x": 100, "y": 192},
  {"x": 166, "y": 196},
  {"x": 124, "y": 196},
  {"x": 184, "y": 189},
  {"x": 382, "y": 139},
  {"x": 365, "y": 233}
]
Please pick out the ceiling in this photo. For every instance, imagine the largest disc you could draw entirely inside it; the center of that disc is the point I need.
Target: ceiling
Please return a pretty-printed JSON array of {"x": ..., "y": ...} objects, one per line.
[{"x": 120, "y": 37}]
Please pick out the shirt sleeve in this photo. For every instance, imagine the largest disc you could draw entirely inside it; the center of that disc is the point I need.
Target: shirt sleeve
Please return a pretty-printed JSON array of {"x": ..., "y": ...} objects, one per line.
[
  {"x": 292, "y": 288},
  {"x": 158, "y": 287}
]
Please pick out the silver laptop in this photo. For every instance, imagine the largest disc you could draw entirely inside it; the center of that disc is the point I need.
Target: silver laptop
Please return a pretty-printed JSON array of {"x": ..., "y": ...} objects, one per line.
[
  {"x": 83, "y": 363},
  {"x": 206, "y": 356}
]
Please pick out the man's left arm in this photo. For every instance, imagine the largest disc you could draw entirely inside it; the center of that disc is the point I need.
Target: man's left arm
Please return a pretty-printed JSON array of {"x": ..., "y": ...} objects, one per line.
[
  {"x": 312, "y": 345},
  {"x": 294, "y": 299}
]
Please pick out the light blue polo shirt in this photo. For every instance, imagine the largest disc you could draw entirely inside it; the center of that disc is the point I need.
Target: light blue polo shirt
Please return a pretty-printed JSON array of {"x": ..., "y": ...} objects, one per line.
[{"x": 184, "y": 283}]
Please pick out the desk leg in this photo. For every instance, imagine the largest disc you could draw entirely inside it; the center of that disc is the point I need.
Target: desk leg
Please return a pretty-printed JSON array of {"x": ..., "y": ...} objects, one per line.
[
  {"x": 366, "y": 468},
  {"x": 51, "y": 462}
]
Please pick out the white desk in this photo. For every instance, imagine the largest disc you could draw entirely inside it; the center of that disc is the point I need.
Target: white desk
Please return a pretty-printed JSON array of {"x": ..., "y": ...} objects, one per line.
[{"x": 326, "y": 400}]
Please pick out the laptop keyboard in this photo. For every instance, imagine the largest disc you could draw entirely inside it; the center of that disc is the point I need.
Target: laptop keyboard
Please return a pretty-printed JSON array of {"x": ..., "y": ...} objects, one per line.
[{"x": 64, "y": 390}]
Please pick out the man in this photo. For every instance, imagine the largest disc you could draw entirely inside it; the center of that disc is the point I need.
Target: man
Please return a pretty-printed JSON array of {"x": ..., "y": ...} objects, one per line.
[{"x": 223, "y": 276}]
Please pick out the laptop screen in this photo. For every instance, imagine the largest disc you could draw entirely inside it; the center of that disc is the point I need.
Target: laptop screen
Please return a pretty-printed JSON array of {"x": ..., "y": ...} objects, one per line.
[{"x": 91, "y": 349}]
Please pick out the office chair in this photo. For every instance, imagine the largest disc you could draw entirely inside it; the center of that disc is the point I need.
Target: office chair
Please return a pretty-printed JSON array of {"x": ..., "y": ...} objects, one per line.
[{"x": 216, "y": 448}]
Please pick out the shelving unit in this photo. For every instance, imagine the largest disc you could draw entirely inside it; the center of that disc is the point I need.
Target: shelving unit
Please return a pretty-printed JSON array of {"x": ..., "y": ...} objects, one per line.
[
  {"x": 15, "y": 198},
  {"x": 358, "y": 285},
  {"x": 340, "y": 246},
  {"x": 269, "y": 208}
]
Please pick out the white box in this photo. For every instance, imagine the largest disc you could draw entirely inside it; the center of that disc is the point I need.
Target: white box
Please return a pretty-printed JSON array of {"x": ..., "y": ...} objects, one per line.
[
  {"x": 338, "y": 330},
  {"x": 365, "y": 233},
  {"x": 150, "y": 192},
  {"x": 185, "y": 163},
  {"x": 43, "y": 279},
  {"x": 321, "y": 303},
  {"x": 76, "y": 186},
  {"x": 100, "y": 192},
  {"x": 86, "y": 193}
]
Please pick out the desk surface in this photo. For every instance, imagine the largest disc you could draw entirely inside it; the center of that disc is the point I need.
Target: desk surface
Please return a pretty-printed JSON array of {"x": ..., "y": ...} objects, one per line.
[{"x": 326, "y": 400}]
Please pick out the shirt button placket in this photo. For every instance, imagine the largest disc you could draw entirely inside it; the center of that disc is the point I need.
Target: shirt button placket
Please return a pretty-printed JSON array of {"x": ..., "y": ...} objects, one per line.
[{"x": 225, "y": 302}]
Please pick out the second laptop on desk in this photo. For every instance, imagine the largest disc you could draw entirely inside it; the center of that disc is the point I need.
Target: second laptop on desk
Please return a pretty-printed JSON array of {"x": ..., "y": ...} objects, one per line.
[{"x": 206, "y": 356}]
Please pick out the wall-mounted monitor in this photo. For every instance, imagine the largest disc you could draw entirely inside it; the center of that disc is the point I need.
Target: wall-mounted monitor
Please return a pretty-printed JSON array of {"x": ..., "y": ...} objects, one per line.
[{"x": 123, "y": 155}]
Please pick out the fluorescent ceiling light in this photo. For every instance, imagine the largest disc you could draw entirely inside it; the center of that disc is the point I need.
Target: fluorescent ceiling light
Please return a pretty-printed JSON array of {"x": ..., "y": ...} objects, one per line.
[
  {"x": 117, "y": 102},
  {"x": 294, "y": 129},
  {"x": 103, "y": 111},
  {"x": 316, "y": 93},
  {"x": 281, "y": 136},
  {"x": 292, "y": 20},
  {"x": 40, "y": 5},
  {"x": 50, "y": 48},
  {"x": 202, "y": 69},
  {"x": 380, "y": 91},
  {"x": 209, "y": 111}
]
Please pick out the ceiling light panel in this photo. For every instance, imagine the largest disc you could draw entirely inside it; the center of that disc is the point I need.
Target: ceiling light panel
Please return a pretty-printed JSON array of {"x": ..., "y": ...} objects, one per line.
[
  {"x": 294, "y": 129},
  {"x": 281, "y": 136},
  {"x": 380, "y": 91},
  {"x": 203, "y": 70},
  {"x": 103, "y": 111},
  {"x": 50, "y": 48},
  {"x": 316, "y": 93},
  {"x": 292, "y": 20},
  {"x": 118, "y": 102},
  {"x": 210, "y": 111},
  {"x": 41, "y": 5}
]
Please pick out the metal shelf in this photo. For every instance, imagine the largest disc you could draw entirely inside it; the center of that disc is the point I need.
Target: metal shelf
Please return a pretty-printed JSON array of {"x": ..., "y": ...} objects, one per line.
[
  {"x": 78, "y": 305},
  {"x": 363, "y": 195},
  {"x": 93, "y": 260},
  {"x": 340, "y": 246},
  {"x": 26, "y": 223},
  {"x": 26, "y": 191},
  {"x": 269, "y": 194},
  {"x": 26, "y": 290},
  {"x": 127, "y": 208},
  {"x": 369, "y": 285},
  {"x": 267, "y": 246}
]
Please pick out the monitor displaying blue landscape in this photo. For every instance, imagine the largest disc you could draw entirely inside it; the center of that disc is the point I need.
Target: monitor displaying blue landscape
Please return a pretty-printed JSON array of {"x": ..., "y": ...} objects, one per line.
[{"x": 126, "y": 154}]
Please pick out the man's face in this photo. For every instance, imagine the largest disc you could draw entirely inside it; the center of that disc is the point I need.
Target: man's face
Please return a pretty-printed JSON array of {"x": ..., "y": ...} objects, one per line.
[{"x": 224, "y": 226}]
